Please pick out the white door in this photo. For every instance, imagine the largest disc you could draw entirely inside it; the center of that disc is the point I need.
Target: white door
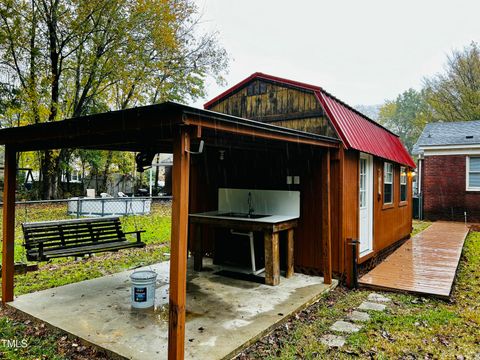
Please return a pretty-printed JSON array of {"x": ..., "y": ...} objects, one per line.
[{"x": 366, "y": 203}]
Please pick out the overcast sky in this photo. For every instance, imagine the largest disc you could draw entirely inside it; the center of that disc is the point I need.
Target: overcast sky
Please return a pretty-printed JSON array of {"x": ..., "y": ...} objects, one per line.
[{"x": 361, "y": 51}]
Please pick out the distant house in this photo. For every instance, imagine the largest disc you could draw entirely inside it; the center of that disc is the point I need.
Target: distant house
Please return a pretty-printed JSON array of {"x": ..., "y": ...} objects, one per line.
[{"x": 449, "y": 170}]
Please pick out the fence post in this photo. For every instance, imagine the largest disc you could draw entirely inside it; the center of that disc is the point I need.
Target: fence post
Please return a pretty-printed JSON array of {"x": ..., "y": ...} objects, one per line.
[
  {"x": 79, "y": 204},
  {"x": 103, "y": 207}
]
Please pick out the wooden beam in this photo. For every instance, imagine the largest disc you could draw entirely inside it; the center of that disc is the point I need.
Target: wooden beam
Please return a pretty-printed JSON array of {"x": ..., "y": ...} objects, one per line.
[
  {"x": 178, "y": 248},
  {"x": 241, "y": 129},
  {"x": 290, "y": 252},
  {"x": 8, "y": 224},
  {"x": 326, "y": 219},
  {"x": 272, "y": 258}
]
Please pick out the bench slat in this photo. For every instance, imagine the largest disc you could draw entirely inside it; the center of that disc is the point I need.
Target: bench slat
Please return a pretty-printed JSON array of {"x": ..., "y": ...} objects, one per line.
[
  {"x": 71, "y": 235},
  {"x": 48, "y": 245},
  {"x": 71, "y": 221}
]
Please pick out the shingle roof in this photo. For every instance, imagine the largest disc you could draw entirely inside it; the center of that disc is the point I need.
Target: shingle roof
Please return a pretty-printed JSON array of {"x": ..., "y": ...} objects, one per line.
[{"x": 449, "y": 133}]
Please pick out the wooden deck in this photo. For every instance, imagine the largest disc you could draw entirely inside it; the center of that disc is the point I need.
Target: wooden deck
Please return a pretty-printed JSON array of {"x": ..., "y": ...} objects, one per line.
[{"x": 425, "y": 264}]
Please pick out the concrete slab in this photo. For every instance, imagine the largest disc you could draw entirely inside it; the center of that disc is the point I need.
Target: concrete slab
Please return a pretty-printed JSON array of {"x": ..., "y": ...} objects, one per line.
[
  {"x": 333, "y": 340},
  {"x": 224, "y": 315},
  {"x": 345, "y": 327},
  {"x": 378, "y": 298},
  {"x": 367, "y": 305},
  {"x": 358, "y": 316}
]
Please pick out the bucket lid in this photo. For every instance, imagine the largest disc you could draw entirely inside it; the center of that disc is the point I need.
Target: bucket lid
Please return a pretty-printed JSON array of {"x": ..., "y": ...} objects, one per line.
[{"x": 143, "y": 275}]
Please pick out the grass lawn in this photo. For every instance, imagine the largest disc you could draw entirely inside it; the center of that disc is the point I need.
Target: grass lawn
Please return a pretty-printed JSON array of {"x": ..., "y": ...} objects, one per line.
[{"x": 411, "y": 328}]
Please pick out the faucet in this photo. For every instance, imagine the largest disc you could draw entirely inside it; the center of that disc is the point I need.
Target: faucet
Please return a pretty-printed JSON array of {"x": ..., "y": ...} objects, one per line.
[{"x": 250, "y": 208}]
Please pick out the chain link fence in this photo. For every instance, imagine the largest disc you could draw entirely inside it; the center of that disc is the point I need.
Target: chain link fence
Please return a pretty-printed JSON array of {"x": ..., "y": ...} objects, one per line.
[{"x": 94, "y": 207}]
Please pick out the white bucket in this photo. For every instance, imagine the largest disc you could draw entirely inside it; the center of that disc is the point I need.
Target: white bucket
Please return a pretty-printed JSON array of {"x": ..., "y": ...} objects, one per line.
[{"x": 143, "y": 289}]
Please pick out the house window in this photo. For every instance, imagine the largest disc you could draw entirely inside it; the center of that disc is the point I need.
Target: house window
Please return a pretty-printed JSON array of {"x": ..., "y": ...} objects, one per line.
[
  {"x": 473, "y": 173},
  {"x": 387, "y": 183},
  {"x": 403, "y": 183}
]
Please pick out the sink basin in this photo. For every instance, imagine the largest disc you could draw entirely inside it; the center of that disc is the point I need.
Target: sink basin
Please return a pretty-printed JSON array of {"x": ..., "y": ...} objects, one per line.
[{"x": 243, "y": 215}]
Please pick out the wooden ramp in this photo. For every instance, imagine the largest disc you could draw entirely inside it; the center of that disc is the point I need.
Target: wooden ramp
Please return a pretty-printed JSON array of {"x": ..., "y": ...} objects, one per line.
[{"x": 425, "y": 264}]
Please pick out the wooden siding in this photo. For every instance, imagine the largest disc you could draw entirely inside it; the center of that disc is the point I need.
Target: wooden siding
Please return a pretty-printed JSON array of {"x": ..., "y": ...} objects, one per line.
[
  {"x": 350, "y": 214},
  {"x": 282, "y": 105},
  {"x": 391, "y": 223}
]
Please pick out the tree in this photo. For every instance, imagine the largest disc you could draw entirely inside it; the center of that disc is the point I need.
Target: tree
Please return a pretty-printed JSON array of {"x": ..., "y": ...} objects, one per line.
[
  {"x": 405, "y": 116},
  {"x": 455, "y": 94},
  {"x": 70, "y": 58}
]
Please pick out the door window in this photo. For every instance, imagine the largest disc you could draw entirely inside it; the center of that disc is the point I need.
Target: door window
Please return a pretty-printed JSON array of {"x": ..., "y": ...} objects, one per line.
[{"x": 363, "y": 183}]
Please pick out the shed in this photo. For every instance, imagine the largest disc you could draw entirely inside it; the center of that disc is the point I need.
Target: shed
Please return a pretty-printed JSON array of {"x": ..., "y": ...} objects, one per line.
[
  {"x": 371, "y": 173},
  {"x": 449, "y": 170}
]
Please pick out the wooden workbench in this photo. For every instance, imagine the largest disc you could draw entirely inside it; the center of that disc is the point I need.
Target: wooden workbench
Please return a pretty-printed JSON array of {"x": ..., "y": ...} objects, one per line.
[{"x": 269, "y": 226}]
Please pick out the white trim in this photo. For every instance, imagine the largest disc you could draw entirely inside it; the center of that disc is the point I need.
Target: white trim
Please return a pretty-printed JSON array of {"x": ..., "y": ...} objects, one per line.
[
  {"x": 443, "y": 147},
  {"x": 463, "y": 151},
  {"x": 369, "y": 201},
  {"x": 467, "y": 177}
]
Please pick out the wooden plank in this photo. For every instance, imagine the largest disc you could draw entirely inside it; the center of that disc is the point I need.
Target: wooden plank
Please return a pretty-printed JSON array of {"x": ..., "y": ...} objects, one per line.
[
  {"x": 350, "y": 208},
  {"x": 178, "y": 248},
  {"x": 73, "y": 222},
  {"x": 8, "y": 247},
  {"x": 326, "y": 219},
  {"x": 290, "y": 251},
  {"x": 117, "y": 245},
  {"x": 272, "y": 258},
  {"x": 425, "y": 264}
]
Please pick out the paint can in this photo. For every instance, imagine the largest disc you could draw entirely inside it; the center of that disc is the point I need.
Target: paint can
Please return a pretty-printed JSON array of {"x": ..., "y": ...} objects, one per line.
[{"x": 143, "y": 289}]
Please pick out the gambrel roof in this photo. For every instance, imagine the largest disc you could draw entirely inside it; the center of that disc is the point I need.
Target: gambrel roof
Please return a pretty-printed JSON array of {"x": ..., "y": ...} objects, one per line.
[{"x": 356, "y": 130}]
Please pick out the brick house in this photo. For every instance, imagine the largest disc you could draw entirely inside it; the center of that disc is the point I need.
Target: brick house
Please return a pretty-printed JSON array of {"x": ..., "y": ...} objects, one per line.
[{"x": 449, "y": 170}]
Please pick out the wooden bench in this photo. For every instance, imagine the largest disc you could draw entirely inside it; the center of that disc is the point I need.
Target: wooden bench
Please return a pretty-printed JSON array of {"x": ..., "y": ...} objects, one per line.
[{"x": 53, "y": 239}]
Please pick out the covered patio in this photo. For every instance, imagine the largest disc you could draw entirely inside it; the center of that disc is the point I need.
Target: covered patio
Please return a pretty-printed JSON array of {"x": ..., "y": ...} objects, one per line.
[
  {"x": 223, "y": 315},
  {"x": 177, "y": 129}
]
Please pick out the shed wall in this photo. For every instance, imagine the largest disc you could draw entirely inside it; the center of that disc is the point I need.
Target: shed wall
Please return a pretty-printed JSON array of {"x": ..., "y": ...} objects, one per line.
[
  {"x": 391, "y": 223},
  {"x": 280, "y": 105}
]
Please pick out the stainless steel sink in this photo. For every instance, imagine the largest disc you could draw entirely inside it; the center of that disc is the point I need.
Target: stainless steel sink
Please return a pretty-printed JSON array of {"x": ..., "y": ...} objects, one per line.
[{"x": 243, "y": 215}]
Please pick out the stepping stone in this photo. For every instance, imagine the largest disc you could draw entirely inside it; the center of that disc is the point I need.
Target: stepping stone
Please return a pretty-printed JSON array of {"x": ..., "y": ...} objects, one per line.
[
  {"x": 367, "y": 305},
  {"x": 345, "y": 327},
  {"x": 378, "y": 298},
  {"x": 333, "y": 340},
  {"x": 358, "y": 316}
]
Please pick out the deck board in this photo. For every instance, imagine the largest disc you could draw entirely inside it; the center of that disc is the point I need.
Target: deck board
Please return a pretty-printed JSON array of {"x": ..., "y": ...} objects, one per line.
[{"x": 425, "y": 264}]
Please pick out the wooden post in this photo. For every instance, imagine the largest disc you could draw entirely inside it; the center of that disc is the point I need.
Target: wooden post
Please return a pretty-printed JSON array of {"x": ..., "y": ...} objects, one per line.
[
  {"x": 290, "y": 248},
  {"x": 8, "y": 270},
  {"x": 326, "y": 219},
  {"x": 272, "y": 258},
  {"x": 178, "y": 247}
]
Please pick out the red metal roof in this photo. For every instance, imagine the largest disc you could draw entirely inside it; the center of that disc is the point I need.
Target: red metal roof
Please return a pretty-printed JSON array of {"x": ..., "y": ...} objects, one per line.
[{"x": 354, "y": 129}]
